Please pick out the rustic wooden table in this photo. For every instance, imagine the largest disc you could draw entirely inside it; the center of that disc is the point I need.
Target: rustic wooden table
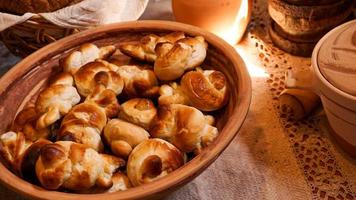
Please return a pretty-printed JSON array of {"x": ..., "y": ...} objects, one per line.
[{"x": 272, "y": 157}]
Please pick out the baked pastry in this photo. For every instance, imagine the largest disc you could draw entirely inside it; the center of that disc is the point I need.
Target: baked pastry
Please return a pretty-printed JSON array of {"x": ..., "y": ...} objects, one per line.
[
  {"x": 12, "y": 146},
  {"x": 174, "y": 59},
  {"x": 88, "y": 77},
  {"x": 86, "y": 53},
  {"x": 123, "y": 136},
  {"x": 185, "y": 127},
  {"x": 120, "y": 183},
  {"x": 77, "y": 106},
  {"x": 34, "y": 6},
  {"x": 206, "y": 90},
  {"x": 145, "y": 48},
  {"x": 27, "y": 161},
  {"x": 172, "y": 93},
  {"x": 119, "y": 59},
  {"x": 106, "y": 99},
  {"x": 25, "y": 122},
  {"x": 84, "y": 124},
  {"x": 151, "y": 160},
  {"x": 74, "y": 166},
  {"x": 139, "y": 82},
  {"x": 297, "y": 19},
  {"x": 138, "y": 111},
  {"x": 56, "y": 100}
]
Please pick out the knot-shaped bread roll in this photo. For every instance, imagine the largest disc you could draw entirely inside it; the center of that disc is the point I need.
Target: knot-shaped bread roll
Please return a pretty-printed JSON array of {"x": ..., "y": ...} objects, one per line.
[
  {"x": 123, "y": 136},
  {"x": 86, "y": 53},
  {"x": 56, "y": 100},
  {"x": 174, "y": 59},
  {"x": 153, "y": 159},
  {"x": 172, "y": 94},
  {"x": 12, "y": 146},
  {"x": 21, "y": 154},
  {"x": 206, "y": 90},
  {"x": 184, "y": 126},
  {"x": 106, "y": 99},
  {"x": 25, "y": 122},
  {"x": 139, "y": 82},
  {"x": 88, "y": 77},
  {"x": 144, "y": 49},
  {"x": 27, "y": 160},
  {"x": 84, "y": 124},
  {"x": 74, "y": 166},
  {"x": 120, "y": 183},
  {"x": 138, "y": 111}
]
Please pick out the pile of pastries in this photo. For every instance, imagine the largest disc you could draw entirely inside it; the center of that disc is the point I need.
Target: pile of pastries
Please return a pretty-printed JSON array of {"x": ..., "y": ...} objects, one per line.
[{"x": 118, "y": 116}]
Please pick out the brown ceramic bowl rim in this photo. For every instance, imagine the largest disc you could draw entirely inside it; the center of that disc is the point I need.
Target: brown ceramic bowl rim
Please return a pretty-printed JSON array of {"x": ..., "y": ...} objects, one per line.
[{"x": 180, "y": 176}]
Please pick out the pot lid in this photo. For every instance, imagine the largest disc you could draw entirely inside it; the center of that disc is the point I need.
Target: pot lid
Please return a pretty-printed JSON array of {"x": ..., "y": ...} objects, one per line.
[{"x": 337, "y": 58}]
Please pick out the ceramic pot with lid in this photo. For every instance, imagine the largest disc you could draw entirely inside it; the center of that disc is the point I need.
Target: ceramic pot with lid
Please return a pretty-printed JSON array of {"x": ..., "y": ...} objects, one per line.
[{"x": 334, "y": 80}]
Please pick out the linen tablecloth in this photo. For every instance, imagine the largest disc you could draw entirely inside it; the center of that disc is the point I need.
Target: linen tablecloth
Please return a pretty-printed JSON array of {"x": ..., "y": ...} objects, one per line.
[{"x": 272, "y": 157}]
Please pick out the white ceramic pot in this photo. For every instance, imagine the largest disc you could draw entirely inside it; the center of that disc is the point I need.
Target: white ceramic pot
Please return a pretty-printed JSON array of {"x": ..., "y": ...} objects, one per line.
[{"x": 334, "y": 80}]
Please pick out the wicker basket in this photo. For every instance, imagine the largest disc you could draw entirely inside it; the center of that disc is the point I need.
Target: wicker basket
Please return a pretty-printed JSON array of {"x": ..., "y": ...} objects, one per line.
[
  {"x": 36, "y": 32},
  {"x": 41, "y": 29}
]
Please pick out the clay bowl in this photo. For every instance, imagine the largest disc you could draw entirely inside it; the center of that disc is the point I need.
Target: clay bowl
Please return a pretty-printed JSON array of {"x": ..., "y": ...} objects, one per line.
[{"x": 21, "y": 84}]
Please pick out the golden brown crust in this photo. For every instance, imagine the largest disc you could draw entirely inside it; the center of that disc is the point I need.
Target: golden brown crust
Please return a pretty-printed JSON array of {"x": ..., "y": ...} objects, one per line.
[
  {"x": 25, "y": 122},
  {"x": 86, "y": 53},
  {"x": 75, "y": 167},
  {"x": 151, "y": 160},
  {"x": 83, "y": 124},
  {"x": 120, "y": 182},
  {"x": 12, "y": 147},
  {"x": 106, "y": 99},
  {"x": 27, "y": 162},
  {"x": 123, "y": 136},
  {"x": 138, "y": 111},
  {"x": 145, "y": 48},
  {"x": 174, "y": 59},
  {"x": 172, "y": 94},
  {"x": 93, "y": 74},
  {"x": 74, "y": 163},
  {"x": 139, "y": 82},
  {"x": 206, "y": 90},
  {"x": 56, "y": 100},
  {"x": 53, "y": 156},
  {"x": 184, "y": 126}
]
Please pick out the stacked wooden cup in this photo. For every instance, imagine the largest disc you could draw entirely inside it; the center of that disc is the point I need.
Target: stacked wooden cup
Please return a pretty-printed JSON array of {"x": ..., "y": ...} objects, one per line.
[{"x": 297, "y": 25}]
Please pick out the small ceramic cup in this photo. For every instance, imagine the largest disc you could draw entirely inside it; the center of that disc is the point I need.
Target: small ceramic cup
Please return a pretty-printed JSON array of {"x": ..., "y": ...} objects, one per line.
[
  {"x": 225, "y": 18},
  {"x": 334, "y": 80}
]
